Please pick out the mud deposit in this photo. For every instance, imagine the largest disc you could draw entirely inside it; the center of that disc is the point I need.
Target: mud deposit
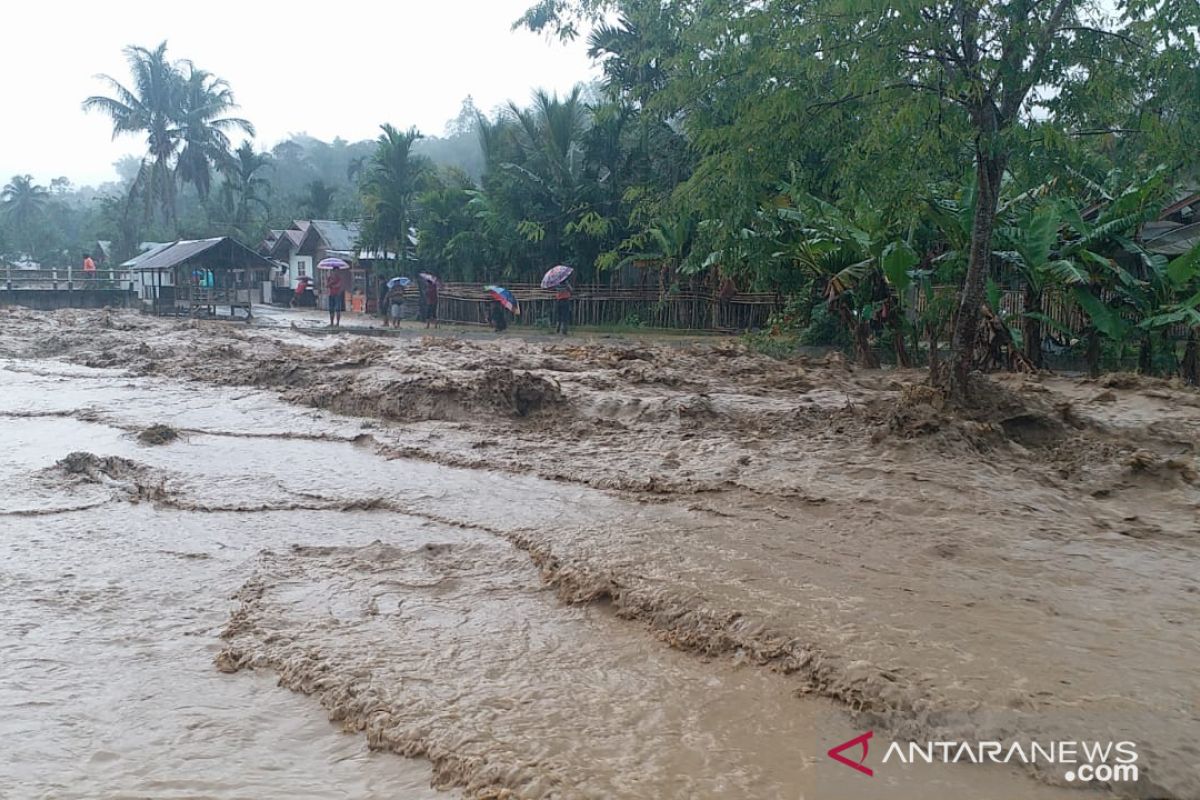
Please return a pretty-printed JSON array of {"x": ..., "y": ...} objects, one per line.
[{"x": 1026, "y": 570}]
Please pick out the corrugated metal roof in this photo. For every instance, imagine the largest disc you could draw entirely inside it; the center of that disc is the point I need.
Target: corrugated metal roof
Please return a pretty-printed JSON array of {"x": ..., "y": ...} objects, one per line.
[
  {"x": 148, "y": 249},
  {"x": 1170, "y": 238},
  {"x": 337, "y": 235},
  {"x": 179, "y": 252}
]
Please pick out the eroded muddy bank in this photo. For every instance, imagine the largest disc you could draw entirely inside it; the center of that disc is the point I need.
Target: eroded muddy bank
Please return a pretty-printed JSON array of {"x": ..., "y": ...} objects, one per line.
[{"x": 996, "y": 575}]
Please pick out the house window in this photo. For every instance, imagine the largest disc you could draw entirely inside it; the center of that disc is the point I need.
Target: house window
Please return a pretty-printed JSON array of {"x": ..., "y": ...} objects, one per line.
[{"x": 301, "y": 268}]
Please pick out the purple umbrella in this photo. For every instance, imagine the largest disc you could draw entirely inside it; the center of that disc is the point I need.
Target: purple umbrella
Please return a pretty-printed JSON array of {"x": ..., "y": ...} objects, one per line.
[
  {"x": 428, "y": 278},
  {"x": 332, "y": 263},
  {"x": 556, "y": 275}
]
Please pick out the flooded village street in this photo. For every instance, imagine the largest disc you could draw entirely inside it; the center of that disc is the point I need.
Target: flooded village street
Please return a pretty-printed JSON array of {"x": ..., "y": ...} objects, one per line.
[{"x": 510, "y": 629}]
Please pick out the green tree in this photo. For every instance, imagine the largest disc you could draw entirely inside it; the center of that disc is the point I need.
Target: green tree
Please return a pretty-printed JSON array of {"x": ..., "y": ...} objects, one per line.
[
  {"x": 245, "y": 187},
  {"x": 24, "y": 206},
  {"x": 882, "y": 97},
  {"x": 318, "y": 199},
  {"x": 184, "y": 116},
  {"x": 149, "y": 107},
  {"x": 395, "y": 176},
  {"x": 204, "y": 127}
]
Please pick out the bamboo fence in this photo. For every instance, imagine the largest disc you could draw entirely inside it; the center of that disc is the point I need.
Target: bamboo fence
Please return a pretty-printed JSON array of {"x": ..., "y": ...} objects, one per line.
[
  {"x": 601, "y": 306},
  {"x": 1055, "y": 305}
]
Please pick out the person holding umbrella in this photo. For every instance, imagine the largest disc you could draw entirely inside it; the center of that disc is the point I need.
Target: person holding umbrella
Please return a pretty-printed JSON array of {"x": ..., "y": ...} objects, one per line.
[
  {"x": 497, "y": 316},
  {"x": 335, "y": 287},
  {"x": 431, "y": 298},
  {"x": 557, "y": 278},
  {"x": 397, "y": 288},
  {"x": 502, "y": 300}
]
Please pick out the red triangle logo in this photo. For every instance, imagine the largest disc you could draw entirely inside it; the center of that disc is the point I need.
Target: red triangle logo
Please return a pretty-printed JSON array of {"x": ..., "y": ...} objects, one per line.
[{"x": 836, "y": 753}]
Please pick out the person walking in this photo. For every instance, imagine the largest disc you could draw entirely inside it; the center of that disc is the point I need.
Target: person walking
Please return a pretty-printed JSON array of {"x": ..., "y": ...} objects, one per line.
[
  {"x": 562, "y": 308},
  {"x": 498, "y": 317},
  {"x": 336, "y": 287},
  {"x": 394, "y": 302},
  {"x": 298, "y": 295},
  {"x": 89, "y": 267}
]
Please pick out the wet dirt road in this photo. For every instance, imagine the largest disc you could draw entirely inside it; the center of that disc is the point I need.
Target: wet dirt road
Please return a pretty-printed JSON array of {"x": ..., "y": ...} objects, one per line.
[{"x": 276, "y": 543}]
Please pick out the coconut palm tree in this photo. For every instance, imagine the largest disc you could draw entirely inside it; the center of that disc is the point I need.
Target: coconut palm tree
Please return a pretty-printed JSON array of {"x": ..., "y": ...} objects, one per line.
[
  {"x": 551, "y": 135},
  {"x": 552, "y": 170},
  {"x": 204, "y": 127},
  {"x": 184, "y": 116},
  {"x": 150, "y": 106},
  {"x": 394, "y": 178},
  {"x": 245, "y": 187},
  {"x": 24, "y": 204}
]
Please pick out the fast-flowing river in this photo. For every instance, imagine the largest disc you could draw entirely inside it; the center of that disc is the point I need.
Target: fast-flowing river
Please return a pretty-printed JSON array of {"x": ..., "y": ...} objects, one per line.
[{"x": 382, "y": 588}]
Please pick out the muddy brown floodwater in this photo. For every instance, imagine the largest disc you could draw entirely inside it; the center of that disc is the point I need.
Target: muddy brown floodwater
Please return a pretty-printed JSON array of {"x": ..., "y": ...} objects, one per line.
[{"x": 481, "y": 569}]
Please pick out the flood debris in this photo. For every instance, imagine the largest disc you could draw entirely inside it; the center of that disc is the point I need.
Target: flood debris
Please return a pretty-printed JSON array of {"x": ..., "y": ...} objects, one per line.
[{"x": 158, "y": 434}]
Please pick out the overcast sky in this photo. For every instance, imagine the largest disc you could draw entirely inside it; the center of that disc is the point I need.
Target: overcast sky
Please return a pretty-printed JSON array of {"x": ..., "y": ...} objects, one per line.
[{"x": 326, "y": 69}]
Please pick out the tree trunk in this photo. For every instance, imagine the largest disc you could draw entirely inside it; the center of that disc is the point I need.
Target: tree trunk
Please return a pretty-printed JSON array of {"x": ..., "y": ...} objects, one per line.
[
  {"x": 935, "y": 362},
  {"x": 1031, "y": 328},
  {"x": 862, "y": 344},
  {"x": 989, "y": 167},
  {"x": 860, "y": 332},
  {"x": 897, "y": 322}
]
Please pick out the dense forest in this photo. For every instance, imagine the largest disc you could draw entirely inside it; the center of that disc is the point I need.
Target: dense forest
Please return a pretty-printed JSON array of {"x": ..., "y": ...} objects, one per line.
[{"x": 853, "y": 156}]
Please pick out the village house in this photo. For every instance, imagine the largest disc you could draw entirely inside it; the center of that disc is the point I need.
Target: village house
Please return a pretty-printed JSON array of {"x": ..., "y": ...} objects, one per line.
[
  {"x": 197, "y": 276},
  {"x": 298, "y": 249},
  {"x": 301, "y": 247}
]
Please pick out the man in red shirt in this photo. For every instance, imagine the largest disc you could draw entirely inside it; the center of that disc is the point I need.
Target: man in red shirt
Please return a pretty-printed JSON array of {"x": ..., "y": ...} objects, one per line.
[
  {"x": 336, "y": 286},
  {"x": 89, "y": 266},
  {"x": 562, "y": 307}
]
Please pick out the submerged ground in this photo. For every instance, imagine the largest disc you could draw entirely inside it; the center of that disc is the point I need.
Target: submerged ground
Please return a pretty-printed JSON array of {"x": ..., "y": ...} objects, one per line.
[{"x": 376, "y": 522}]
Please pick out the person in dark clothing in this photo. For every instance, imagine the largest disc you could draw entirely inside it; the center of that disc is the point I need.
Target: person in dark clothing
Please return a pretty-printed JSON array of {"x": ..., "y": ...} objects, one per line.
[
  {"x": 383, "y": 305},
  {"x": 562, "y": 309},
  {"x": 431, "y": 303},
  {"x": 498, "y": 317}
]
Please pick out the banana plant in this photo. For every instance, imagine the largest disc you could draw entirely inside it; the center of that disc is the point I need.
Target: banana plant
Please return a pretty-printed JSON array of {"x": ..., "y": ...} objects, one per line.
[
  {"x": 864, "y": 269},
  {"x": 1032, "y": 246},
  {"x": 1161, "y": 310}
]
